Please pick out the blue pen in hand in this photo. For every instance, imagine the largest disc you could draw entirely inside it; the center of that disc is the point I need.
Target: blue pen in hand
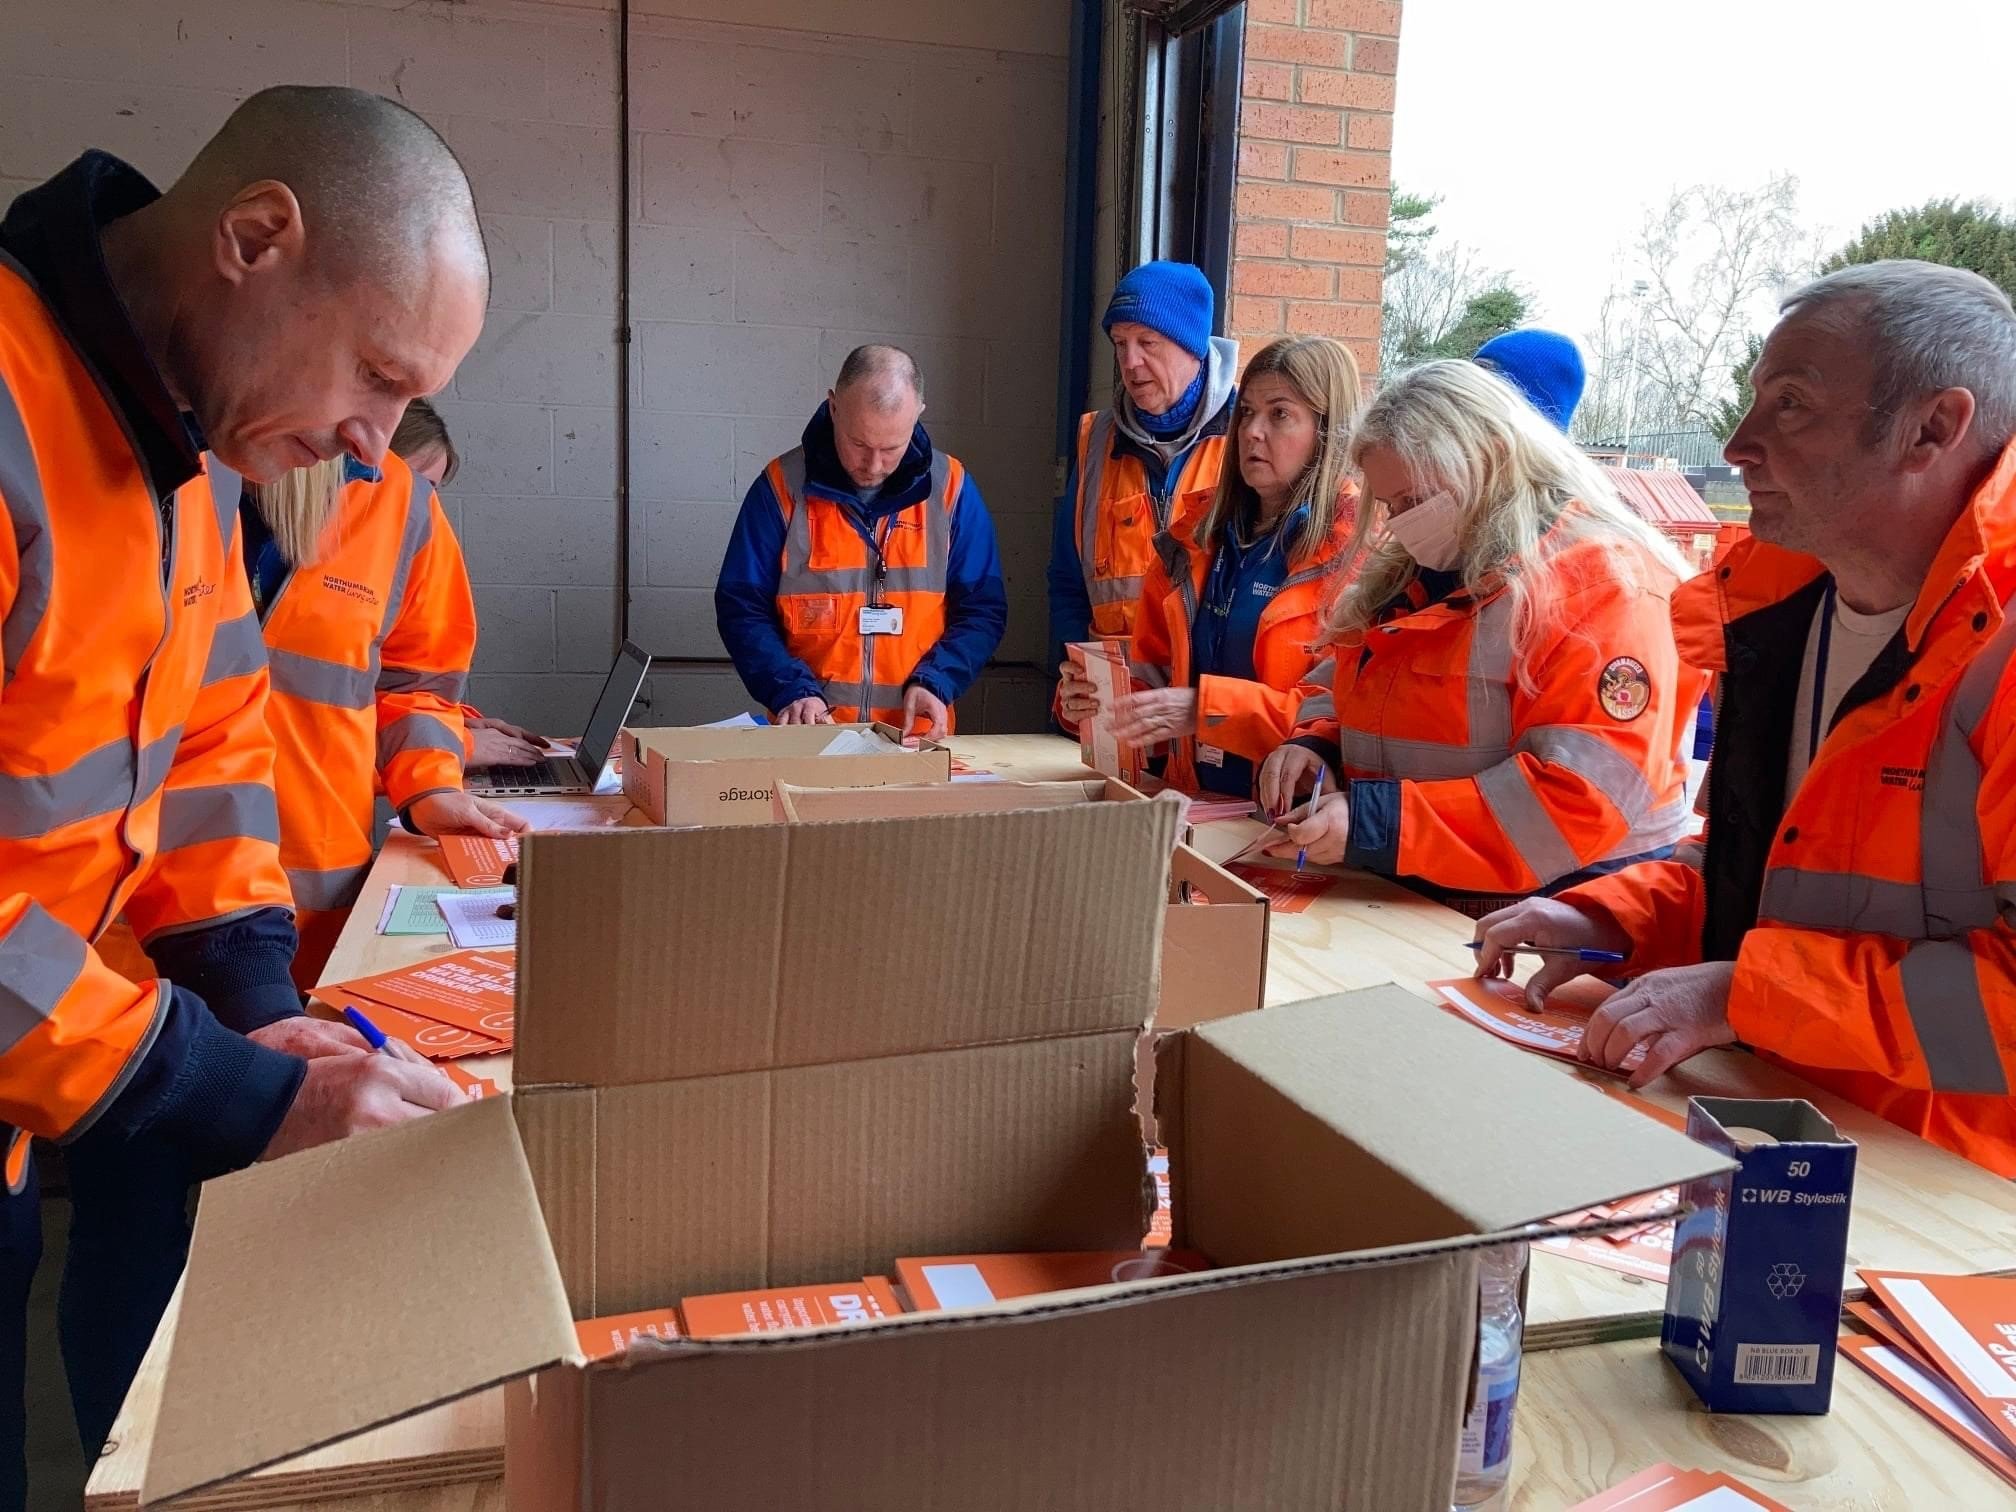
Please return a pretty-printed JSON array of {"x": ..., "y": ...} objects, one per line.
[
  {"x": 373, "y": 1035},
  {"x": 1315, "y": 793},
  {"x": 1575, "y": 952}
]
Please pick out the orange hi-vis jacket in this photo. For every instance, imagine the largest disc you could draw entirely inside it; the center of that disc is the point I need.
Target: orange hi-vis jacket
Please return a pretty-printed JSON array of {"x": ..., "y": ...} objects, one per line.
[
  {"x": 1245, "y": 717},
  {"x": 829, "y": 576},
  {"x": 1869, "y": 916},
  {"x": 370, "y": 647},
  {"x": 1462, "y": 778},
  {"x": 1119, "y": 517},
  {"x": 136, "y": 769}
]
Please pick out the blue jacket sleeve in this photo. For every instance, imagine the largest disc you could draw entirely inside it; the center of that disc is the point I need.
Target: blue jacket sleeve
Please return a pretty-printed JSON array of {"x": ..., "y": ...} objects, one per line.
[
  {"x": 745, "y": 605},
  {"x": 1070, "y": 604},
  {"x": 976, "y": 602},
  {"x": 241, "y": 969}
]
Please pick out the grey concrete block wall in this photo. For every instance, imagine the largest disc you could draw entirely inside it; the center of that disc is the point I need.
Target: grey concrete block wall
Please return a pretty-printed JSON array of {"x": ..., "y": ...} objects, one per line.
[{"x": 794, "y": 193}]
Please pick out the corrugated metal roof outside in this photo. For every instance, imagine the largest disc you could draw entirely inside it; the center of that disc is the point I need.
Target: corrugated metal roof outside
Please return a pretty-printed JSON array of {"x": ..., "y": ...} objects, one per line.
[{"x": 1664, "y": 497}]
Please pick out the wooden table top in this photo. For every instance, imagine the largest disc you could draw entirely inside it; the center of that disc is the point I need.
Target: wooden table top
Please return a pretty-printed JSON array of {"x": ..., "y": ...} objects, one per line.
[{"x": 1589, "y": 1416}]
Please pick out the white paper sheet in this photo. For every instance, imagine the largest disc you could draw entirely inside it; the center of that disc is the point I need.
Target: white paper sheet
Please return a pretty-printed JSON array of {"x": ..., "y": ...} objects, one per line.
[
  {"x": 859, "y": 743},
  {"x": 472, "y": 918}
]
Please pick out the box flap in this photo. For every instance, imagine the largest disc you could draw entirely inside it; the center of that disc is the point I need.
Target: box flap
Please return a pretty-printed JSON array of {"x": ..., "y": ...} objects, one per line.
[
  {"x": 754, "y": 742},
  {"x": 801, "y": 804},
  {"x": 353, "y": 1284},
  {"x": 1454, "y": 1128},
  {"x": 649, "y": 955}
]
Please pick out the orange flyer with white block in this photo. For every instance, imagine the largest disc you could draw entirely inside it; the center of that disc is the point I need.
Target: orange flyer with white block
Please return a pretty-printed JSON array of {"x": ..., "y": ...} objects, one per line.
[
  {"x": 1500, "y": 1006},
  {"x": 1907, "y": 1373},
  {"x": 471, "y": 989},
  {"x": 432, "y": 1038},
  {"x": 1966, "y": 1327},
  {"x": 1668, "y": 1488},
  {"x": 477, "y": 860},
  {"x": 725, "y": 1314},
  {"x": 606, "y": 1338},
  {"x": 976, "y": 1280}
]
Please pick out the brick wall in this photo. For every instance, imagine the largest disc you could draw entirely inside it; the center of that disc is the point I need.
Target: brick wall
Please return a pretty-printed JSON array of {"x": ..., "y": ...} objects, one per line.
[
  {"x": 795, "y": 193},
  {"x": 1315, "y": 174}
]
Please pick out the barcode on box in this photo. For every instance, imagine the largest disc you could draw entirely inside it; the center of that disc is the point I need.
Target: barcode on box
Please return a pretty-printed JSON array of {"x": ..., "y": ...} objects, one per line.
[{"x": 1777, "y": 1364}]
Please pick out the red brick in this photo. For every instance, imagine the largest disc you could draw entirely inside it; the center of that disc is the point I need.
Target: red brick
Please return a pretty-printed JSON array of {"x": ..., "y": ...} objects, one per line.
[
  {"x": 1369, "y": 133},
  {"x": 1364, "y": 208},
  {"x": 1380, "y": 18},
  {"x": 1339, "y": 320},
  {"x": 1356, "y": 170},
  {"x": 1291, "y": 123},
  {"x": 1287, "y": 202},
  {"x": 1257, "y": 240},
  {"x": 1352, "y": 91},
  {"x": 1367, "y": 353},
  {"x": 1263, "y": 160},
  {"x": 1281, "y": 12},
  {"x": 1268, "y": 81},
  {"x": 1286, "y": 279},
  {"x": 1255, "y": 317},
  {"x": 1362, "y": 284},
  {"x": 1293, "y": 44},
  {"x": 1376, "y": 55},
  {"x": 1364, "y": 249}
]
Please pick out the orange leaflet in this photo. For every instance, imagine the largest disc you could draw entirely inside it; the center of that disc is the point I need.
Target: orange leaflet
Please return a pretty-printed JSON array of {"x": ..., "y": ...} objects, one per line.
[
  {"x": 605, "y": 1338},
  {"x": 433, "y": 1039},
  {"x": 1911, "y": 1378},
  {"x": 1499, "y": 1006},
  {"x": 471, "y": 989},
  {"x": 1965, "y": 1326},
  {"x": 868, "y": 1300},
  {"x": 477, "y": 860},
  {"x": 1287, "y": 892},
  {"x": 1667, "y": 1488}
]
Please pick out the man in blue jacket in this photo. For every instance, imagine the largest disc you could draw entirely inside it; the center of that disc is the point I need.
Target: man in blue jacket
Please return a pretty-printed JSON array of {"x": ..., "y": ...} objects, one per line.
[{"x": 862, "y": 581}]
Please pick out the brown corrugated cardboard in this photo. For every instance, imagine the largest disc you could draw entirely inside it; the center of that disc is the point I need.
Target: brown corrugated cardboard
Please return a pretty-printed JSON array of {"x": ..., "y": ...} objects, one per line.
[
  {"x": 725, "y": 776},
  {"x": 1346, "y": 1154}
]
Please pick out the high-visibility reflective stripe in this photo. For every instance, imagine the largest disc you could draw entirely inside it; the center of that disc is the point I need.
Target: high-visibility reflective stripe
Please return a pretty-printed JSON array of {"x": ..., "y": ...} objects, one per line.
[
  {"x": 1657, "y": 830},
  {"x": 1488, "y": 700},
  {"x": 104, "y": 781},
  {"x": 799, "y": 577},
  {"x": 1115, "y": 590},
  {"x": 1597, "y": 762},
  {"x": 1942, "y": 991},
  {"x": 314, "y": 680},
  {"x": 1526, "y": 822},
  {"x": 336, "y": 888},
  {"x": 237, "y": 649},
  {"x": 448, "y": 686},
  {"x": 156, "y": 757},
  {"x": 226, "y": 488},
  {"x": 1321, "y": 705},
  {"x": 1416, "y": 760},
  {"x": 1957, "y": 895},
  {"x": 21, "y": 494},
  {"x": 864, "y": 696},
  {"x": 415, "y": 732},
  {"x": 1490, "y": 675},
  {"x": 1149, "y": 674},
  {"x": 225, "y": 811},
  {"x": 419, "y": 530},
  {"x": 40, "y": 960},
  {"x": 1091, "y": 479},
  {"x": 1802, "y": 899}
]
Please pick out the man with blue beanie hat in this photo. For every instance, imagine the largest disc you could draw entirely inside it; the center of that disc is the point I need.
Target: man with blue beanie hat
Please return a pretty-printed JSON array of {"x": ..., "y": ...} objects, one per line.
[
  {"x": 1147, "y": 462},
  {"x": 1545, "y": 366}
]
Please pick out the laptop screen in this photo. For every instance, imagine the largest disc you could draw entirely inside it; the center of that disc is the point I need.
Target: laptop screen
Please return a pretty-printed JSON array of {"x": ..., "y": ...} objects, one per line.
[{"x": 613, "y": 707}]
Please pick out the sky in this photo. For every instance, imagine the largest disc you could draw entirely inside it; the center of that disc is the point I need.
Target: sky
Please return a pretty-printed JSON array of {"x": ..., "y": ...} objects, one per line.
[{"x": 1549, "y": 126}]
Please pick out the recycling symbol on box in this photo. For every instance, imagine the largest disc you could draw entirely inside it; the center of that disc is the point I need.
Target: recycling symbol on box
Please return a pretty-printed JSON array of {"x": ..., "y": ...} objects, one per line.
[{"x": 1785, "y": 1280}]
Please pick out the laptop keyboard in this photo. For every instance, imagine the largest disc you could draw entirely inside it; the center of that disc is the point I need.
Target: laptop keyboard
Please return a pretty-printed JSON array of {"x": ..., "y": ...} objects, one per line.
[{"x": 539, "y": 774}]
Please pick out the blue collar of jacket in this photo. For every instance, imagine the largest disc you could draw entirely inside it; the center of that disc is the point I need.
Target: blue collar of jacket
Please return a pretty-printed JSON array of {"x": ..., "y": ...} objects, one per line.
[
  {"x": 1219, "y": 424},
  {"x": 56, "y": 232},
  {"x": 825, "y": 477}
]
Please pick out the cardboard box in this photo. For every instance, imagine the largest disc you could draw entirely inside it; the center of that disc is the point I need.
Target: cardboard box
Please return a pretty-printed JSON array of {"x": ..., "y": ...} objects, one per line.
[
  {"x": 939, "y": 1281},
  {"x": 723, "y": 1078},
  {"x": 605, "y": 1338},
  {"x": 845, "y": 1303},
  {"x": 725, "y": 776},
  {"x": 1753, "y": 1300},
  {"x": 1214, "y": 932}
]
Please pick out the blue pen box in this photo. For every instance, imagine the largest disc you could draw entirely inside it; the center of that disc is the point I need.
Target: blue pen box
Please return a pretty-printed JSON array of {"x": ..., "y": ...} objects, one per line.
[{"x": 1753, "y": 1301}]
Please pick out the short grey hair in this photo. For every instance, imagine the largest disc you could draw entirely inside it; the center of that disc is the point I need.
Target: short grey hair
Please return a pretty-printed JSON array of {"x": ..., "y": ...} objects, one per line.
[
  {"x": 1930, "y": 328},
  {"x": 890, "y": 373}
]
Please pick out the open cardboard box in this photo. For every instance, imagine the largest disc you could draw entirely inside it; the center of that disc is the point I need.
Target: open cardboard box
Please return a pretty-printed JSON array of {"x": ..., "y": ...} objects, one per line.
[
  {"x": 764, "y": 1056},
  {"x": 1214, "y": 934},
  {"x": 725, "y": 776}
]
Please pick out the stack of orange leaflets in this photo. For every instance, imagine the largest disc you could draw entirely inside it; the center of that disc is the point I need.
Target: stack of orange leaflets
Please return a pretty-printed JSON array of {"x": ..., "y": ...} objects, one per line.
[
  {"x": 1500, "y": 1006},
  {"x": 1668, "y": 1488},
  {"x": 724, "y": 1314},
  {"x": 450, "y": 1006},
  {"x": 976, "y": 1280},
  {"x": 1947, "y": 1345},
  {"x": 1645, "y": 1250},
  {"x": 477, "y": 860},
  {"x": 1287, "y": 892},
  {"x": 1104, "y": 665},
  {"x": 605, "y": 1338}
]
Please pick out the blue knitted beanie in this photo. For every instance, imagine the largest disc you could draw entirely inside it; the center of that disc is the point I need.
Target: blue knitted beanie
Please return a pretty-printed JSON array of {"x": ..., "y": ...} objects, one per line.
[
  {"x": 1543, "y": 365},
  {"x": 1171, "y": 297}
]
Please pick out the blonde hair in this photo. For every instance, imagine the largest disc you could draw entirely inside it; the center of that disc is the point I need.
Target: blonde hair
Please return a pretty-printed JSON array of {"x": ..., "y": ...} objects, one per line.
[
  {"x": 300, "y": 507},
  {"x": 1456, "y": 427},
  {"x": 1324, "y": 375},
  {"x": 421, "y": 430}
]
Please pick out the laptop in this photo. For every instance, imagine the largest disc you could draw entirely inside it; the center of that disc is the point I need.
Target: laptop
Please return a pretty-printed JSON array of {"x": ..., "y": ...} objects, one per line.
[{"x": 580, "y": 772}]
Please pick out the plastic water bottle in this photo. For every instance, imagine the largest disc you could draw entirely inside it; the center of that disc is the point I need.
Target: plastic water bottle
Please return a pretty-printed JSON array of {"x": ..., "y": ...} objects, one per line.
[{"x": 1485, "y": 1461}]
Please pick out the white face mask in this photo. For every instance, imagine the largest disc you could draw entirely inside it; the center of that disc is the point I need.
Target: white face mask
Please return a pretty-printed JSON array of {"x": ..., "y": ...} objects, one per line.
[{"x": 1430, "y": 532}]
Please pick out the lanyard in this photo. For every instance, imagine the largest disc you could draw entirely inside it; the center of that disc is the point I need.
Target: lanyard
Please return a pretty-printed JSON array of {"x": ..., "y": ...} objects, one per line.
[
  {"x": 1817, "y": 730},
  {"x": 879, "y": 545}
]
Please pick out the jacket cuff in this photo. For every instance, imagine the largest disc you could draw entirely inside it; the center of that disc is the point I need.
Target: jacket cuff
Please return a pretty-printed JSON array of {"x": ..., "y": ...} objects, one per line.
[
  {"x": 255, "y": 1007},
  {"x": 933, "y": 682},
  {"x": 242, "y": 970},
  {"x": 1374, "y": 841}
]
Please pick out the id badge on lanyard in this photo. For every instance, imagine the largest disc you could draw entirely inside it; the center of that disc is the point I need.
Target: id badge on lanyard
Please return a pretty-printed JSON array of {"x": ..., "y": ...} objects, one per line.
[{"x": 878, "y": 618}]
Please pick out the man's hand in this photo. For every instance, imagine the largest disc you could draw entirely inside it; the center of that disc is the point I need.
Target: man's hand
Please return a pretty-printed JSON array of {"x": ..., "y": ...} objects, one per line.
[
  {"x": 805, "y": 711},
  {"x": 1674, "y": 1014},
  {"x": 1077, "y": 694},
  {"x": 1286, "y": 775},
  {"x": 920, "y": 703},
  {"x": 350, "y": 1094},
  {"x": 499, "y": 744},
  {"x": 310, "y": 1038},
  {"x": 1322, "y": 830},
  {"x": 1156, "y": 714},
  {"x": 1545, "y": 921},
  {"x": 461, "y": 814}
]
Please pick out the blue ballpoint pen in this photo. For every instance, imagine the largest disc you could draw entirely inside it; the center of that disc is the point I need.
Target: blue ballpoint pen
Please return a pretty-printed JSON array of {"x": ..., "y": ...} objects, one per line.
[
  {"x": 1315, "y": 792},
  {"x": 1589, "y": 957},
  {"x": 373, "y": 1035}
]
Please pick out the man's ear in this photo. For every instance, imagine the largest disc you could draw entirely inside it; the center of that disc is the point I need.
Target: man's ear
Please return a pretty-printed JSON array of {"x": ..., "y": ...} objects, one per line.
[
  {"x": 258, "y": 230},
  {"x": 1943, "y": 424}
]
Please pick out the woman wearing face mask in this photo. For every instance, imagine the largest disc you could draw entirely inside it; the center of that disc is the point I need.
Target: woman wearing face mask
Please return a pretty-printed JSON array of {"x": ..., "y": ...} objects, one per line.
[
  {"x": 1500, "y": 695},
  {"x": 1219, "y": 653}
]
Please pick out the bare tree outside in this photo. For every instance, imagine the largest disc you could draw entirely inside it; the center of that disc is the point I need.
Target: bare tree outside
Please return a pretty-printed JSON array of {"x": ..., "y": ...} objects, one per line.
[{"x": 1440, "y": 299}]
